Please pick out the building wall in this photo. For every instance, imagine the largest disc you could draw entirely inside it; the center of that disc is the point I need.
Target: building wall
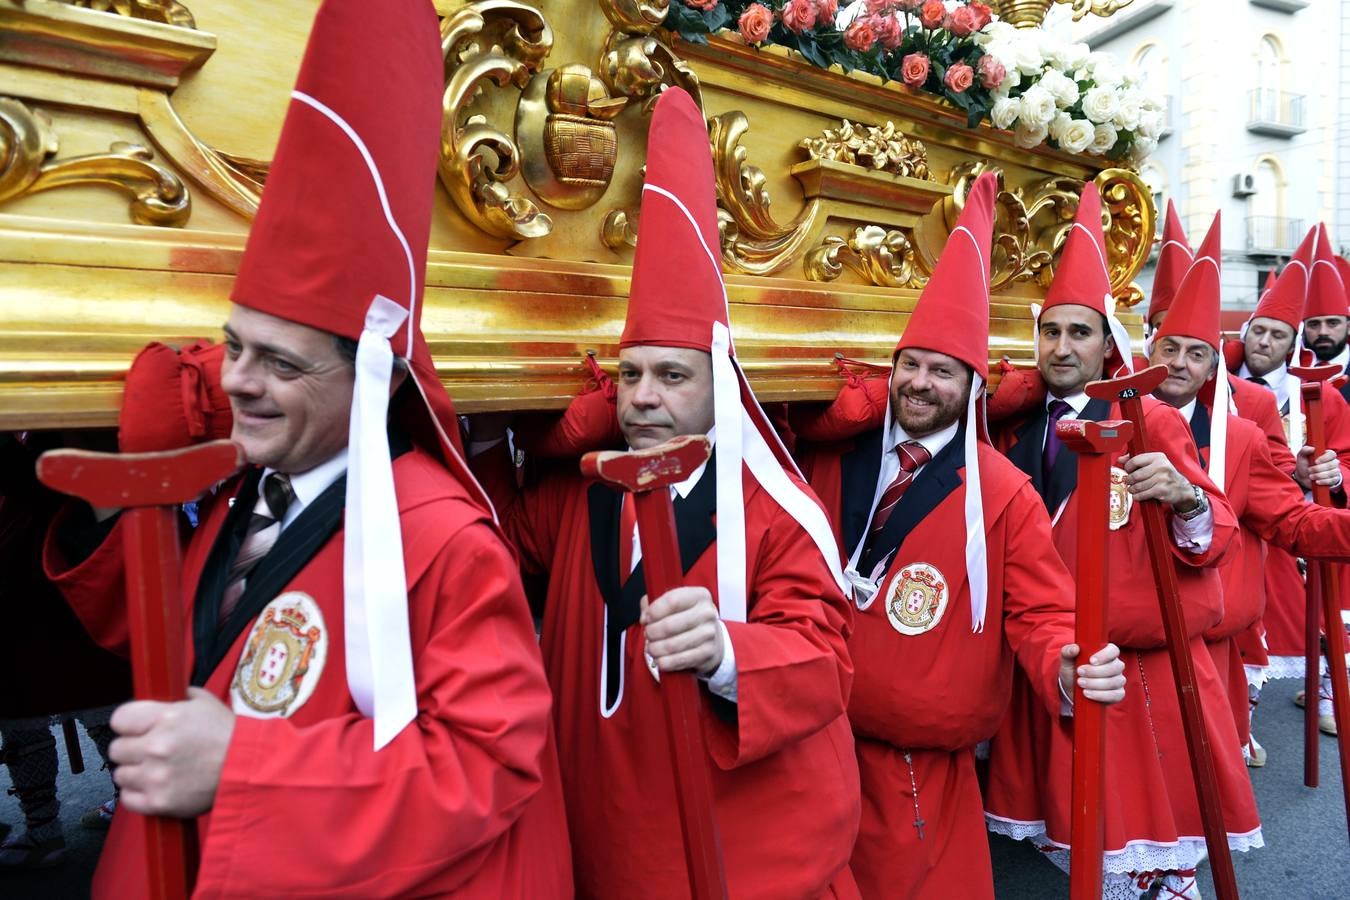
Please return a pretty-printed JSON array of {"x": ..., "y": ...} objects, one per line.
[{"x": 1210, "y": 64}]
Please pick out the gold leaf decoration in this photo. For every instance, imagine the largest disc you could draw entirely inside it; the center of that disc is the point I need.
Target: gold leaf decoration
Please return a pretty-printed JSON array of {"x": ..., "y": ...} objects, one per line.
[{"x": 883, "y": 149}]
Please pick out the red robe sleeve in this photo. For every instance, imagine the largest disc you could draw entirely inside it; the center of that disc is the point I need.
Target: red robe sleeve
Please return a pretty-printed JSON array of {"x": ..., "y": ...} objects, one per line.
[
  {"x": 793, "y": 669},
  {"x": 95, "y": 586},
  {"x": 1038, "y": 596},
  {"x": 1169, "y": 432},
  {"x": 1277, "y": 511},
  {"x": 1259, "y": 407},
  {"x": 434, "y": 798},
  {"x": 531, "y": 516}
]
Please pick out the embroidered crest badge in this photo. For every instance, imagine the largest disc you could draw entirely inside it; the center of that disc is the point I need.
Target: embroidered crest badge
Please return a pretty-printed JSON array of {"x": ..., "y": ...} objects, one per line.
[
  {"x": 918, "y": 599},
  {"x": 282, "y": 660},
  {"x": 1122, "y": 501},
  {"x": 1284, "y": 421}
]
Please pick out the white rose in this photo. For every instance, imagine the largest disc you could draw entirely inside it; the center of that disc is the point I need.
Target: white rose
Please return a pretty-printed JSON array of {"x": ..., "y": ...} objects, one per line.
[
  {"x": 1059, "y": 124},
  {"x": 1142, "y": 148},
  {"x": 1099, "y": 104},
  {"x": 1150, "y": 123},
  {"x": 1077, "y": 136},
  {"x": 1127, "y": 112},
  {"x": 1075, "y": 55},
  {"x": 1004, "y": 112},
  {"x": 1028, "y": 135},
  {"x": 1051, "y": 49},
  {"x": 1011, "y": 80},
  {"x": 1037, "y": 107},
  {"x": 1061, "y": 87},
  {"x": 1103, "y": 139},
  {"x": 1023, "y": 54}
]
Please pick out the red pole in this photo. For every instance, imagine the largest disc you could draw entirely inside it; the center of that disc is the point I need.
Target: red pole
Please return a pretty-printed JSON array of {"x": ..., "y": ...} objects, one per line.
[
  {"x": 1129, "y": 392},
  {"x": 648, "y": 474},
  {"x": 1329, "y": 584},
  {"x": 148, "y": 487},
  {"x": 1097, "y": 444}
]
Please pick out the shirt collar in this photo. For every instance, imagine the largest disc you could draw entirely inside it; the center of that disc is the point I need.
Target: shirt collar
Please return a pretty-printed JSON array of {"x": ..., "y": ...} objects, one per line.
[
  {"x": 310, "y": 484},
  {"x": 1188, "y": 410},
  {"x": 1340, "y": 359},
  {"x": 684, "y": 488},
  {"x": 1076, "y": 402},
  {"x": 933, "y": 443}
]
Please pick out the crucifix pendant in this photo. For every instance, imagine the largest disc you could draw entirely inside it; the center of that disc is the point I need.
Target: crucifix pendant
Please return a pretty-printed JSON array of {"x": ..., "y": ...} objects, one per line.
[
  {"x": 918, "y": 826},
  {"x": 914, "y": 788}
]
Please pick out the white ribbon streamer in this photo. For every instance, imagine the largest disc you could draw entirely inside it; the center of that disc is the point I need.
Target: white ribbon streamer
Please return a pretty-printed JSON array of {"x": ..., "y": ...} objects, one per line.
[
  {"x": 375, "y": 610},
  {"x": 727, "y": 415}
]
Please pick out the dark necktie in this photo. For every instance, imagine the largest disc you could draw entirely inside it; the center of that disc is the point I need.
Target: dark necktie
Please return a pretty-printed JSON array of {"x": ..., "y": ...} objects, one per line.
[
  {"x": 912, "y": 455},
  {"x": 1257, "y": 379},
  {"x": 264, "y": 527},
  {"x": 1058, "y": 410}
]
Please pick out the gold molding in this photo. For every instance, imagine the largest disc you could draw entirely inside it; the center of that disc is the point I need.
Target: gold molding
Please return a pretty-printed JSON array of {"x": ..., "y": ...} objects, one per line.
[
  {"x": 880, "y": 256},
  {"x": 881, "y": 149},
  {"x": 167, "y": 12},
  {"x": 29, "y": 144}
]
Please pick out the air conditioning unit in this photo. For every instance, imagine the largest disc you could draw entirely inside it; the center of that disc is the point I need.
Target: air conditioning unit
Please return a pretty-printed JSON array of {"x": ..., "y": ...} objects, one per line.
[{"x": 1244, "y": 184}]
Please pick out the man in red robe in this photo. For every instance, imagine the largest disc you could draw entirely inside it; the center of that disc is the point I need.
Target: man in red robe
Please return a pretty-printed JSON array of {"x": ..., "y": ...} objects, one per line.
[
  {"x": 934, "y": 658},
  {"x": 1269, "y": 506},
  {"x": 761, "y": 618},
  {"x": 312, "y": 770},
  {"x": 1153, "y": 830}
]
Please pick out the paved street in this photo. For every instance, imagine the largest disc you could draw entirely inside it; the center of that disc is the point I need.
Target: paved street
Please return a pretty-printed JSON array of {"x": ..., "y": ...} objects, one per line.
[{"x": 1306, "y": 853}]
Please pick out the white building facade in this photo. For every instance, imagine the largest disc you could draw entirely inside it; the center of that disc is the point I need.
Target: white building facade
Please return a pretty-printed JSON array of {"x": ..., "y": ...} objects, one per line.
[{"x": 1257, "y": 124}]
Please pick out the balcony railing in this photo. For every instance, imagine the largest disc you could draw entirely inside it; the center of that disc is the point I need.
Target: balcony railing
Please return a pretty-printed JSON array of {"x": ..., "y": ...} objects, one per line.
[
  {"x": 1275, "y": 112},
  {"x": 1273, "y": 235}
]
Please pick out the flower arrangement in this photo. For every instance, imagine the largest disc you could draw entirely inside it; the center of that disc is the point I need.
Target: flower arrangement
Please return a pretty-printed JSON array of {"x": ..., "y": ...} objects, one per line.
[{"x": 1041, "y": 88}]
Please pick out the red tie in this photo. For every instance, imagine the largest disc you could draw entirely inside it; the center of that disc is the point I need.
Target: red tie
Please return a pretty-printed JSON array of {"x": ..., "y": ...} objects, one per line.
[{"x": 912, "y": 456}]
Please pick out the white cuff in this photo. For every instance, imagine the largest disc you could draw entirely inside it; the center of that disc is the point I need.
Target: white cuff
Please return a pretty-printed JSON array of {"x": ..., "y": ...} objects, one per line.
[
  {"x": 722, "y": 681},
  {"x": 1194, "y": 535}
]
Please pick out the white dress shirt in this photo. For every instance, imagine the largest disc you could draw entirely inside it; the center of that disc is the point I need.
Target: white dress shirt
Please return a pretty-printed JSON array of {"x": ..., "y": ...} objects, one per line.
[
  {"x": 1275, "y": 380},
  {"x": 307, "y": 486}
]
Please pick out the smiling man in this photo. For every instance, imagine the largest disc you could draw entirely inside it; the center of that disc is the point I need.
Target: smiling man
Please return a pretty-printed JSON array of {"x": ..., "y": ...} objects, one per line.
[
  {"x": 365, "y": 685},
  {"x": 941, "y": 619},
  {"x": 1156, "y": 826},
  {"x": 761, "y": 619}
]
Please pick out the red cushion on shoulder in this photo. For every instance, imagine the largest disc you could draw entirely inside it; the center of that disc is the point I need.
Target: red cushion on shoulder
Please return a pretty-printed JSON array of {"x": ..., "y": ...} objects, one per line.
[
  {"x": 859, "y": 406},
  {"x": 1234, "y": 355},
  {"x": 173, "y": 398},
  {"x": 1019, "y": 390},
  {"x": 590, "y": 422}
]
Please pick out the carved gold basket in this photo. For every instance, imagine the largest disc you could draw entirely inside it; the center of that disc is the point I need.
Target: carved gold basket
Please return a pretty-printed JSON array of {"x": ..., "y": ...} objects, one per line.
[{"x": 134, "y": 140}]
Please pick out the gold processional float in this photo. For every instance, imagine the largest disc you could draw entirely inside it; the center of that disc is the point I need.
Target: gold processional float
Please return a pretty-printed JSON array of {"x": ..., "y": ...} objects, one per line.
[{"x": 134, "y": 138}]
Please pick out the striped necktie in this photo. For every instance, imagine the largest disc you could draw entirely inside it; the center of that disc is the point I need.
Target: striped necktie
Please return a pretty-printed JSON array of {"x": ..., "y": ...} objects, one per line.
[
  {"x": 264, "y": 527},
  {"x": 912, "y": 455}
]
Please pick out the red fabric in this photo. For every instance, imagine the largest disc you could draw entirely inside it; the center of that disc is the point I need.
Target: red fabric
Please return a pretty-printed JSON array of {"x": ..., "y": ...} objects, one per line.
[
  {"x": 1194, "y": 312},
  {"x": 1285, "y": 300},
  {"x": 590, "y": 422},
  {"x": 467, "y": 801},
  {"x": 859, "y": 406},
  {"x": 1228, "y": 666},
  {"x": 1080, "y": 275},
  {"x": 952, "y": 315},
  {"x": 1326, "y": 290},
  {"x": 1268, "y": 286},
  {"x": 1030, "y": 763},
  {"x": 1257, "y": 405},
  {"x": 1174, "y": 258},
  {"x": 173, "y": 398},
  {"x": 784, "y": 774},
  {"x": 1018, "y": 392},
  {"x": 677, "y": 291},
  {"x": 941, "y": 692}
]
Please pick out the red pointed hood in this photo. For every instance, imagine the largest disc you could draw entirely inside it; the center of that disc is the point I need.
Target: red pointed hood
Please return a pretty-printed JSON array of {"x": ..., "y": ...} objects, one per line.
[
  {"x": 1174, "y": 258},
  {"x": 1269, "y": 285},
  {"x": 1326, "y": 289},
  {"x": 952, "y": 315},
  {"x": 677, "y": 290},
  {"x": 1195, "y": 310},
  {"x": 1285, "y": 299}
]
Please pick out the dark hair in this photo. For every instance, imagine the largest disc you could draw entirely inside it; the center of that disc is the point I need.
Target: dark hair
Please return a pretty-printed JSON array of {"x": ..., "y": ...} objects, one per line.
[{"x": 346, "y": 348}]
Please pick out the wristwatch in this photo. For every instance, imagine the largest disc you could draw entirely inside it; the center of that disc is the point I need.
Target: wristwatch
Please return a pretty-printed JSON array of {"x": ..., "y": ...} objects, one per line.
[{"x": 1201, "y": 504}]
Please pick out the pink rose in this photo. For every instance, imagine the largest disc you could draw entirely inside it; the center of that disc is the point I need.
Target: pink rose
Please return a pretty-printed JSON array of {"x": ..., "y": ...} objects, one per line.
[
  {"x": 958, "y": 78},
  {"x": 889, "y": 31},
  {"x": 991, "y": 72},
  {"x": 704, "y": 5},
  {"x": 755, "y": 23},
  {"x": 860, "y": 36},
  {"x": 914, "y": 70},
  {"x": 827, "y": 11},
  {"x": 932, "y": 14},
  {"x": 876, "y": 7},
  {"x": 799, "y": 15},
  {"x": 983, "y": 15},
  {"x": 962, "y": 22},
  {"x": 908, "y": 5}
]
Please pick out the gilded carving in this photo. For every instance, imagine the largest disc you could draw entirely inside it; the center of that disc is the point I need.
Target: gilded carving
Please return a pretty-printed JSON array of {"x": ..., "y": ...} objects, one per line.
[
  {"x": 640, "y": 16},
  {"x": 882, "y": 257},
  {"x": 752, "y": 241},
  {"x": 503, "y": 42},
  {"x": 619, "y": 229},
  {"x": 1128, "y": 203},
  {"x": 639, "y": 66},
  {"x": 28, "y": 146},
  {"x": 567, "y": 136},
  {"x": 883, "y": 149},
  {"x": 166, "y": 11}
]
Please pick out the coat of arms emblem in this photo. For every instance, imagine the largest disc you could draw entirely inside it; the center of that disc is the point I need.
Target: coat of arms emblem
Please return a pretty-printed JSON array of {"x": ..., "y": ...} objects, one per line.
[
  {"x": 918, "y": 599},
  {"x": 1122, "y": 501},
  {"x": 282, "y": 660}
]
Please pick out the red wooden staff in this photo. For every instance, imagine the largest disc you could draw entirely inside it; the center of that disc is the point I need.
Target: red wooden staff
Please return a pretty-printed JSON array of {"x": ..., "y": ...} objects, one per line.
[
  {"x": 648, "y": 475},
  {"x": 1129, "y": 392},
  {"x": 1097, "y": 445},
  {"x": 149, "y": 487},
  {"x": 1329, "y": 585}
]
